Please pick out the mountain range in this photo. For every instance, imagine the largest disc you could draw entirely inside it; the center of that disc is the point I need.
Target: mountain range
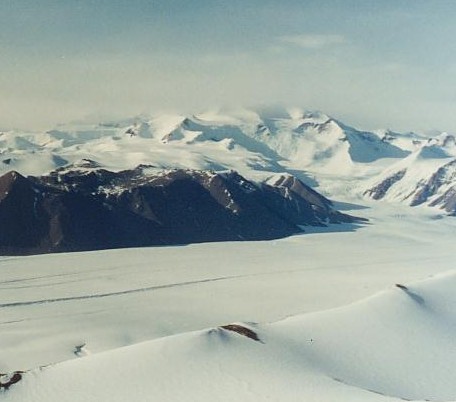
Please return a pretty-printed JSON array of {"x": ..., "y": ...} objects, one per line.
[
  {"x": 175, "y": 179},
  {"x": 84, "y": 207}
]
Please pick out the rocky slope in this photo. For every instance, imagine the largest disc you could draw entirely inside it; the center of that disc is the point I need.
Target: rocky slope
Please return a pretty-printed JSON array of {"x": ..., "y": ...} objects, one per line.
[
  {"x": 84, "y": 207},
  {"x": 426, "y": 177}
]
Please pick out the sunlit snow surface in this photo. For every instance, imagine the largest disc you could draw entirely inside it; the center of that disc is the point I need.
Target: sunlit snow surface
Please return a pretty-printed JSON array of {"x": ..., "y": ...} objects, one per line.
[{"x": 397, "y": 343}]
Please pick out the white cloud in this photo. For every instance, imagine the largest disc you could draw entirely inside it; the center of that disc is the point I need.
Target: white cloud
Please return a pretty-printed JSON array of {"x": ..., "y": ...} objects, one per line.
[{"x": 310, "y": 41}]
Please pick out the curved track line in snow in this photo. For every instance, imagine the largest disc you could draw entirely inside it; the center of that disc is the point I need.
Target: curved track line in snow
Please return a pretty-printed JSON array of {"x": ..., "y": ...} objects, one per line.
[
  {"x": 74, "y": 273},
  {"x": 145, "y": 289},
  {"x": 167, "y": 286},
  {"x": 119, "y": 293}
]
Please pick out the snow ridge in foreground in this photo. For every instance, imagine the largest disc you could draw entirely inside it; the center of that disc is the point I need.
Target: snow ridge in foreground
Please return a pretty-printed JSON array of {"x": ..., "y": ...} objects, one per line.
[{"x": 384, "y": 348}]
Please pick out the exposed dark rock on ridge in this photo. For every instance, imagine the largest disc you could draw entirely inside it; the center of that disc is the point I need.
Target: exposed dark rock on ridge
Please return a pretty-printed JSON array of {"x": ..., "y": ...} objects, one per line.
[
  {"x": 379, "y": 191},
  {"x": 85, "y": 207},
  {"x": 436, "y": 190}
]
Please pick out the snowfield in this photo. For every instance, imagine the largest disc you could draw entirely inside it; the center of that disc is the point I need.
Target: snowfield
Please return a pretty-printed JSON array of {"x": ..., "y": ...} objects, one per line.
[
  {"x": 384, "y": 348},
  {"x": 168, "y": 302},
  {"x": 350, "y": 312}
]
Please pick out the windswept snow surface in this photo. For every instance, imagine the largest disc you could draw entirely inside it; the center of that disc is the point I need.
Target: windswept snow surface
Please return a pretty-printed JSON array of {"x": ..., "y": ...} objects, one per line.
[{"x": 398, "y": 343}]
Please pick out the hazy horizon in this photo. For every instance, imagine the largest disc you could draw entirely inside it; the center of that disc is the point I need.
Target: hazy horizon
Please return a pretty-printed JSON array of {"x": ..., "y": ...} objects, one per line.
[{"x": 371, "y": 64}]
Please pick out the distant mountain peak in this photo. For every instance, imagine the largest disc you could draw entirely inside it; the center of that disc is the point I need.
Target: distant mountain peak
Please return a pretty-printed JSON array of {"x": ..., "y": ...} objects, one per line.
[
  {"x": 314, "y": 116},
  {"x": 10, "y": 181}
]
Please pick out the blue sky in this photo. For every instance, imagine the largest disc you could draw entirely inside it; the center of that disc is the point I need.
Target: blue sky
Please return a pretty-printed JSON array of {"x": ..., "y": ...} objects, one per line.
[{"x": 371, "y": 63}]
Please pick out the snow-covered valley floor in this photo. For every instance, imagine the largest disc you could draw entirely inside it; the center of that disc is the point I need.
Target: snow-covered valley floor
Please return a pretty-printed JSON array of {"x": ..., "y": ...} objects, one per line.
[{"x": 142, "y": 324}]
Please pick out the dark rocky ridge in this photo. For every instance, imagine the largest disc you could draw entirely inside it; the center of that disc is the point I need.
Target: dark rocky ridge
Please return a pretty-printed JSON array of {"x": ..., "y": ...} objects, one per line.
[
  {"x": 379, "y": 191},
  {"x": 85, "y": 207}
]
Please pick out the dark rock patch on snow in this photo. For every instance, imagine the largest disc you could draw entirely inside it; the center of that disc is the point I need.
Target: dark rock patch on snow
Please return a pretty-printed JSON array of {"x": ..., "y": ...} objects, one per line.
[
  {"x": 242, "y": 330},
  {"x": 6, "y": 380},
  {"x": 379, "y": 191}
]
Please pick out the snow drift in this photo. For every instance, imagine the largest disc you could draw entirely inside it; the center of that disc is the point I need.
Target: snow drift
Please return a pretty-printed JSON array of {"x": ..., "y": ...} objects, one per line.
[{"x": 397, "y": 345}]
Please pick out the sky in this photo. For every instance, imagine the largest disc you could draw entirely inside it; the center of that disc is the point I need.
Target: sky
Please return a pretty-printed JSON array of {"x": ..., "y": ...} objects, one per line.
[{"x": 372, "y": 64}]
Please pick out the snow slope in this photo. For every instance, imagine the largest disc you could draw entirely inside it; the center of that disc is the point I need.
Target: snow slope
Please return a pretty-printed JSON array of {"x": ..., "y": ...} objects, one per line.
[
  {"x": 384, "y": 348},
  {"x": 315, "y": 141},
  {"x": 125, "y": 145},
  {"x": 51, "y": 303},
  {"x": 427, "y": 176}
]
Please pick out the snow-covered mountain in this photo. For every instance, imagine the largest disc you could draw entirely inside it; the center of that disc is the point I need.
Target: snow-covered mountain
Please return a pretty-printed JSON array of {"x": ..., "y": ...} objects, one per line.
[
  {"x": 242, "y": 140},
  {"x": 425, "y": 177},
  {"x": 318, "y": 149},
  {"x": 313, "y": 140}
]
